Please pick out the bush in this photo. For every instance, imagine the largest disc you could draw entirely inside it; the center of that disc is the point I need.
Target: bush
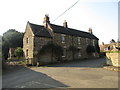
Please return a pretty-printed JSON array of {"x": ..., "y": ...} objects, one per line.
[
  {"x": 102, "y": 54},
  {"x": 90, "y": 49},
  {"x": 55, "y": 49},
  {"x": 97, "y": 48},
  {"x": 18, "y": 52},
  {"x": 73, "y": 49}
]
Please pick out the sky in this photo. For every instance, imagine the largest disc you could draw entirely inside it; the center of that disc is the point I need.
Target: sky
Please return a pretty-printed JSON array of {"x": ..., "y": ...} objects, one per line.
[{"x": 100, "y": 15}]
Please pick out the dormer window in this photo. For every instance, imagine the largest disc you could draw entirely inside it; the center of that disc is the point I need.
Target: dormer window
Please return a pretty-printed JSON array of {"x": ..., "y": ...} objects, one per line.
[{"x": 79, "y": 40}]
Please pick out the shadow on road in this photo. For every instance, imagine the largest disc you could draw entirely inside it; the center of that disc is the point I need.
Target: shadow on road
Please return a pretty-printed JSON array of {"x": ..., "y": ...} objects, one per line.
[
  {"x": 88, "y": 63},
  {"x": 23, "y": 77}
]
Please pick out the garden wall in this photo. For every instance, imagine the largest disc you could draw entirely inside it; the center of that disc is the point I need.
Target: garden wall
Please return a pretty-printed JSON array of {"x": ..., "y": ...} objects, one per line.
[{"x": 114, "y": 58}]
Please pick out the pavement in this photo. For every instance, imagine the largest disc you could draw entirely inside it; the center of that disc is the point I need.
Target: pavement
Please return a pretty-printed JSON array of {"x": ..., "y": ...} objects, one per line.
[
  {"x": 77, "y": 74},
  {"x": 112, "y": 68}
]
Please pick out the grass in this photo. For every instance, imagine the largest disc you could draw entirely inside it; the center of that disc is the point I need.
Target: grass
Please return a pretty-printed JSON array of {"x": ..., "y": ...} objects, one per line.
[
  {"x": 112, "y": 51},
  {"x": 22, "y": 62}
]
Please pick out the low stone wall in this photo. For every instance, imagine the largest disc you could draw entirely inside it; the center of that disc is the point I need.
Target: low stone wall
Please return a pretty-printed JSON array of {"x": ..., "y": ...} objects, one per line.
[{"x": 113, "y": 58}]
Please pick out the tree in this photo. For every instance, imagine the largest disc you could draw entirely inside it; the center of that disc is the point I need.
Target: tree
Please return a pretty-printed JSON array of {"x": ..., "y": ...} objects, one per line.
[
  {"x": 18, "y": 52},
  {"x": 11, "y": 39},
  {"x": 90, "y": 49},
  {"x": 112, "y": 41},
  {"x": 97, "y": 48},
  {"x": 5, "y": 49}
]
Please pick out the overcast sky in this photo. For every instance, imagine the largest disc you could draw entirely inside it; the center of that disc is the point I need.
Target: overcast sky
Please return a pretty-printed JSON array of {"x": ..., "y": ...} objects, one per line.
[{"x": 100, "y": 15}]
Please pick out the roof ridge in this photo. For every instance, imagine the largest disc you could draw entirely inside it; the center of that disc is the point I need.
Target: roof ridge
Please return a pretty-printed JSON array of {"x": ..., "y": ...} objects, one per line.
[
  {"x": 71, "y": 29},
  {"x": 36, "y": 24}
]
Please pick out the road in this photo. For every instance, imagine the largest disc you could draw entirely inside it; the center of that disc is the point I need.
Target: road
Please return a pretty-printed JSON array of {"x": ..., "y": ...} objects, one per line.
[{"x": 78, "y": 74}]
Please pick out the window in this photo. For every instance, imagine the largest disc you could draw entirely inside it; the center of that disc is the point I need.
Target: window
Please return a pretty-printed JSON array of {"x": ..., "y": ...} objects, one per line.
[
  {"x": 27, "y": 40},
  {"x": 106, "y": 48},
  {"x": 79, "y": 48},
  {"x": 63, "y": 38},
  {"x": 27, "y": 52},
  {"x": 64, "y": 47},
  {"x": 94, "y": 54},
  {"x": 64, "y": 53},
  {"x": 93, "y": 42},
  {"x": 79, "y": 39},
  {"x": 86, "y": 41},
  {"x": 79, "y": 53}
]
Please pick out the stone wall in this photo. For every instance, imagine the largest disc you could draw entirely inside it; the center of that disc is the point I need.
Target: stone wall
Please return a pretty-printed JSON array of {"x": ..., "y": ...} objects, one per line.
[
  {"x": 28, "y": 42},
  {"x": 64, "y": 44},
  {"x": 73, "y": 40},
  {"x": 46, "y": 58},
  {"x": 114, "y": 59},
  {"x": 28, "y": 45},
  {"x": 39, "y": 42}
]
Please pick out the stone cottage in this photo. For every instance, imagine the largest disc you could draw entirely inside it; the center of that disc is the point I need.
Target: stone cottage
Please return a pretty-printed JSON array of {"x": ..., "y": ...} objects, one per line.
[
  {"x": 109, "y": 47},
  {"x": 36, "y": 36}
]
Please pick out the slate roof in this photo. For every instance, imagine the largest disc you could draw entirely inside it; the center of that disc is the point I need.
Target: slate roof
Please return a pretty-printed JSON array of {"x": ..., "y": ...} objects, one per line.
[{"x": 39, "y": 30}]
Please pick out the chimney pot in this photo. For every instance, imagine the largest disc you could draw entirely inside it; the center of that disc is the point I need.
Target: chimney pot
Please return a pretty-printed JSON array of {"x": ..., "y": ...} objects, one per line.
[
  {"x": 65, "y": 24},
  {"x": 90, "y": 31},
  {"x": 46, "y": 20}
]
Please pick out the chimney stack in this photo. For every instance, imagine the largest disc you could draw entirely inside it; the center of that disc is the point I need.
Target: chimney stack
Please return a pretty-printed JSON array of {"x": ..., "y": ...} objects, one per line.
[
  {"x": 46, "y": 20},
  {"x": 102, "y": 43},
  {"x": 90, "y": 31},
  {"x": 65, "y": 24}
]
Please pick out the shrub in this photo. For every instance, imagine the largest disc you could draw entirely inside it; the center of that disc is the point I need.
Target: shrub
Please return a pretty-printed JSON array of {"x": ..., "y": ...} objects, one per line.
[
  {"x": 55, "y": 49},
  {"x": 102, "y": 54},
  {"x": 90, "y": 49},
  {"x": 18, "y": 52},
  {"x": 97, "y": 48},
  {"x": 73, "y": 49}
]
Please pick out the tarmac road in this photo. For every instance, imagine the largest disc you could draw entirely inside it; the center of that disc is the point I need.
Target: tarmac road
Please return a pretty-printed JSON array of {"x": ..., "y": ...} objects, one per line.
[{"x": 78, "y": 74}]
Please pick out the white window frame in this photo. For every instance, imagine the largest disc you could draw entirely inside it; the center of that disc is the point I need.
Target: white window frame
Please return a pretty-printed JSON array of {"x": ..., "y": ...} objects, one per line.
[
  {"x": 64, "y": 53},
  {"x": 63, "y": 38},
  {"x": 79, "y": 40},
  {"x": 93, "y": 42},
  {"x": 64, "y": 47},
  {"x": 79, "y": 53},
  {"x": 86, "y": 41},
  {"x": 94, "y": 54}
]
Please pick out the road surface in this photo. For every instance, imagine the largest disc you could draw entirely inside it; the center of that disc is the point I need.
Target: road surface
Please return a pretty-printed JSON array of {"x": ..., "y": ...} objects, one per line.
[{"x": 78, "y": 74}]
